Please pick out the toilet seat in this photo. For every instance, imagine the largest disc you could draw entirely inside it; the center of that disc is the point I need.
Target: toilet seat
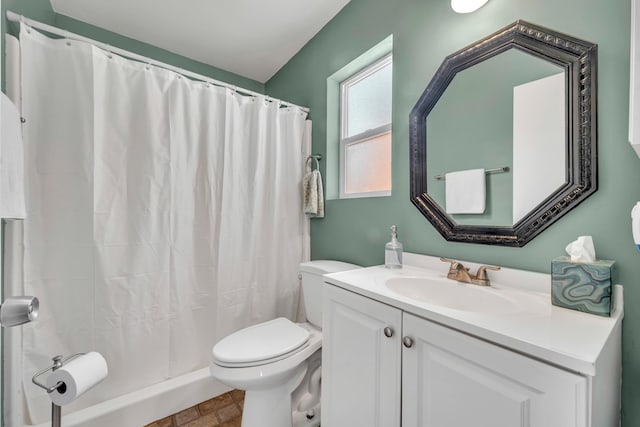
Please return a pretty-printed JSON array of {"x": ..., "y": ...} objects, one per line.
[{"x": 261, "y": 344}]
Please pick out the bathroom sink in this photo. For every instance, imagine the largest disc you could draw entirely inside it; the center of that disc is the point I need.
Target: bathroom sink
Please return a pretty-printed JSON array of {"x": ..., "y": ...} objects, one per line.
[{"x": 454, "y": 295}]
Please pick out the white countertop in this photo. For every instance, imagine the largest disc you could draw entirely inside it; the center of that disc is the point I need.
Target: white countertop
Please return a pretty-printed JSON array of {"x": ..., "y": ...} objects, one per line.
[{"x": 563, "y": 337}]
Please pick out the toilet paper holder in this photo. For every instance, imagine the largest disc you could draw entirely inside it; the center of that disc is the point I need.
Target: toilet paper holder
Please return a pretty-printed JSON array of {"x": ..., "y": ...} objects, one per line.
[{"x": 58, "y": 362}]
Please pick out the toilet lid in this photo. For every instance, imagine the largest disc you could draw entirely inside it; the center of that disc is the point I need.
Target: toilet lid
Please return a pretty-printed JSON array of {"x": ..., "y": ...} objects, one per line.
[{"x": 259, "y": 343}]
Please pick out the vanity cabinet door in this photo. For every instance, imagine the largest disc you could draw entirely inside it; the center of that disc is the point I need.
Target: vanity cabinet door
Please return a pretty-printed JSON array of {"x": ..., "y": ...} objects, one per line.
[
  {"x": 451, "y": 379},
  {"x": 361, "y": 356}
]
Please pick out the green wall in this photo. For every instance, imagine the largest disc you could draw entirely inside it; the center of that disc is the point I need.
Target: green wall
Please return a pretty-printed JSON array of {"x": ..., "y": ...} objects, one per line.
[
  {"x": 40, "y": 10},
  {"x": 424, "y": 32}
]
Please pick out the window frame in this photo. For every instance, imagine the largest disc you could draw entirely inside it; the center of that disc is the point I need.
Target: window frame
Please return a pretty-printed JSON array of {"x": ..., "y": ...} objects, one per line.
[{"x": 368, "y": 134}]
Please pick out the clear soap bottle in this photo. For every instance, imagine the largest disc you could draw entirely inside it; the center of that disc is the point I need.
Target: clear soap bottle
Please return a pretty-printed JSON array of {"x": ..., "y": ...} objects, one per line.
[{"x": 393, "y": 250}]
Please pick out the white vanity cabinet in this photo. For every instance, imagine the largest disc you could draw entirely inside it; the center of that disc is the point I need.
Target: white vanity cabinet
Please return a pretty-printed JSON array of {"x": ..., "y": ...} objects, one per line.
[
  {"x": 452, "y": 379},
  {"x": 361, "y": 360},
  {"x": 385, "y": 367}
]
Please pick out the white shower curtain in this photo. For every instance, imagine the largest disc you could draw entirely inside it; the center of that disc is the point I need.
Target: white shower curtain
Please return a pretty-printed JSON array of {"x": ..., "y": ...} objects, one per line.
[{"x": 162, "y": 214}]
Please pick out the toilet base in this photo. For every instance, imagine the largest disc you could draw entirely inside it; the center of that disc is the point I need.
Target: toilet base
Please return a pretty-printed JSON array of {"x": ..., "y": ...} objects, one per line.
[
  {"x": 306, "y": 398},
  {"x": 301, "y": 420},
  {"x": 271, "y": 407}
]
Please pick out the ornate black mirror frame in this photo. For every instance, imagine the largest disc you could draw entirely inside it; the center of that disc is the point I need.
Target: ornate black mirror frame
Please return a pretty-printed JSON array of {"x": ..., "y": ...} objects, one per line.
[{"x": 579, "y": 60}]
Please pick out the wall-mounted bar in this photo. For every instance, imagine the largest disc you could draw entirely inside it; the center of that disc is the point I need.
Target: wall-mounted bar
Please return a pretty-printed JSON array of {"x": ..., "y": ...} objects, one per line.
[{"x": 487, "y": 171}]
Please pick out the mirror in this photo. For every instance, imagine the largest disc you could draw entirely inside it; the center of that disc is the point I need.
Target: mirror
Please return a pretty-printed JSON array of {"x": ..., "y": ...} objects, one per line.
[
  {"x": 519, "y": 104},
  {"x": 515, "y": 120}
]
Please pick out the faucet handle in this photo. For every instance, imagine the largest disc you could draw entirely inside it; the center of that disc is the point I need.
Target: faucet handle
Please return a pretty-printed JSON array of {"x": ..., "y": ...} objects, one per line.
[
  {"x": 455, "y": 265},
  {"x": 481, "y": 275},
  {"x": 457, "y": 271}
]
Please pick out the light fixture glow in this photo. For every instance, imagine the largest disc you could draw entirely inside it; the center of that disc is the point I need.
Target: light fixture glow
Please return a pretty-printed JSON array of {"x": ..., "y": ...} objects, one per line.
[{"x": 467, "y": 6}]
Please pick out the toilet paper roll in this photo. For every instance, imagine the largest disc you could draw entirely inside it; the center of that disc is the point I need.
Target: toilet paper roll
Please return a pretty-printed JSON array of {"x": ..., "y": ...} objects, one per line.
[{"x": 79, "y": 376}]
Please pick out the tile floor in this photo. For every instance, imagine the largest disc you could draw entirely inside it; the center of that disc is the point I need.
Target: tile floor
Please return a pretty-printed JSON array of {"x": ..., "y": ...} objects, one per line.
[{"x": 221, "y": 411}]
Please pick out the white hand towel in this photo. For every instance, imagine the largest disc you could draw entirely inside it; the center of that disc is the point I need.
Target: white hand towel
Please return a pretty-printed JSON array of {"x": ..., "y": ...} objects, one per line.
[
  {"x": 465, "y": 192},
  {"x": 12, "y": 203},
  {"x": 313, "y": 194}
]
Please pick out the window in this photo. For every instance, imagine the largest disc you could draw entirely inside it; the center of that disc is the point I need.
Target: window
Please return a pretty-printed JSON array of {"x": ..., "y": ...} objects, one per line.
[{"x": 365, "y": 131}]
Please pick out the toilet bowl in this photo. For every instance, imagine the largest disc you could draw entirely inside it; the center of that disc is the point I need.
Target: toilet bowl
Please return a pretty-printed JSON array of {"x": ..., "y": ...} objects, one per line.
[{"x": 277, "y": 362}]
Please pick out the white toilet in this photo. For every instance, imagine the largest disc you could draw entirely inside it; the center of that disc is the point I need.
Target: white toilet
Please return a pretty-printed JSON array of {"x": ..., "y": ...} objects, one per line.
[{"x": 278, "y": 362}]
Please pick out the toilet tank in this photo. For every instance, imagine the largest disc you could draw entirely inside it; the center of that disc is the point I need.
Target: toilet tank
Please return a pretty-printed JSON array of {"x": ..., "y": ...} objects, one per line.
[{"x": 312, "y": 283}]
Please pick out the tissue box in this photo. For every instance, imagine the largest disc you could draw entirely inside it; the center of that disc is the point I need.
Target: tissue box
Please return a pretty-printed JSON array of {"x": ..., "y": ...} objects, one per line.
[{"x": 582, "y": 286}]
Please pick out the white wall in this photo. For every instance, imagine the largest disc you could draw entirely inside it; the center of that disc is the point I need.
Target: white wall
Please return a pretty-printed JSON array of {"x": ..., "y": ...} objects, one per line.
[{"x": 539, "y": 147}]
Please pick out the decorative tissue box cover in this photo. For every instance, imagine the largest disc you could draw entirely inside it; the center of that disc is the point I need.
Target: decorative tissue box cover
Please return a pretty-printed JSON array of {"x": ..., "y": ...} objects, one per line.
[{"x": 582, "y": 286}]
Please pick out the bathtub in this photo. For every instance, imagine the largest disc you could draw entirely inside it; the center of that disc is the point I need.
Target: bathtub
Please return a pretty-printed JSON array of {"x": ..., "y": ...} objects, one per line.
[
  {"x": 144, "y": 406},
  {"x": 135, "y": 409},
  {"x": 141, "y": 407}
]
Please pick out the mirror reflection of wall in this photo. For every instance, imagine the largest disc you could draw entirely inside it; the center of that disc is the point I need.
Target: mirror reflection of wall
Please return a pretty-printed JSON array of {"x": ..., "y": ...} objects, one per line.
[
  {"x": 539, "y": 148},
  {"x": 494, "y": 114}
]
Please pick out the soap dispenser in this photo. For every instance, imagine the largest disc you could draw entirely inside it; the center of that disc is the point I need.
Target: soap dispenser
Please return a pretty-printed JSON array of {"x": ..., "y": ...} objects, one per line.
[{"x": 393, "y": 250}]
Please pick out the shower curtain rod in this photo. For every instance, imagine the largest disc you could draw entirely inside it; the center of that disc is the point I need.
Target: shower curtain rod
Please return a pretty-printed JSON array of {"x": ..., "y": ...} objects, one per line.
[{"x": 14, "y": 17}]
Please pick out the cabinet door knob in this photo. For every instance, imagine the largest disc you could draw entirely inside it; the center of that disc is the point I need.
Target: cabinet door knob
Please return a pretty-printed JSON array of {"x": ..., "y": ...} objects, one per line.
[
  {"x": 407, "y": 342},
  {"x": 388, "y": 332}
]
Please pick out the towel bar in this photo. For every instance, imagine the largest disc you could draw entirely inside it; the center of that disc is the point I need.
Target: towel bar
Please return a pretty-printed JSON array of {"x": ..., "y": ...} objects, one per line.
[{"x": 487, "y": 171}]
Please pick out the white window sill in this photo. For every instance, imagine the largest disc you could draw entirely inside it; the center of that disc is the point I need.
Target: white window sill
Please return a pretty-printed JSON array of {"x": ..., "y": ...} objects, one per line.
[{"x": 364, "y": 195}]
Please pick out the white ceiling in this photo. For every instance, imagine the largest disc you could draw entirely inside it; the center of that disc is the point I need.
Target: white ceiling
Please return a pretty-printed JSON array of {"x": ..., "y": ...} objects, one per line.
[{"x": 252, "y": 38}]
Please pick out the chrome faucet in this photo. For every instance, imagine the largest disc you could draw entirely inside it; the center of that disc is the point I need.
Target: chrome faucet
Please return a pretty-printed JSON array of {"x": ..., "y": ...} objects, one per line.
[{"x": 459, "y": 272}]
